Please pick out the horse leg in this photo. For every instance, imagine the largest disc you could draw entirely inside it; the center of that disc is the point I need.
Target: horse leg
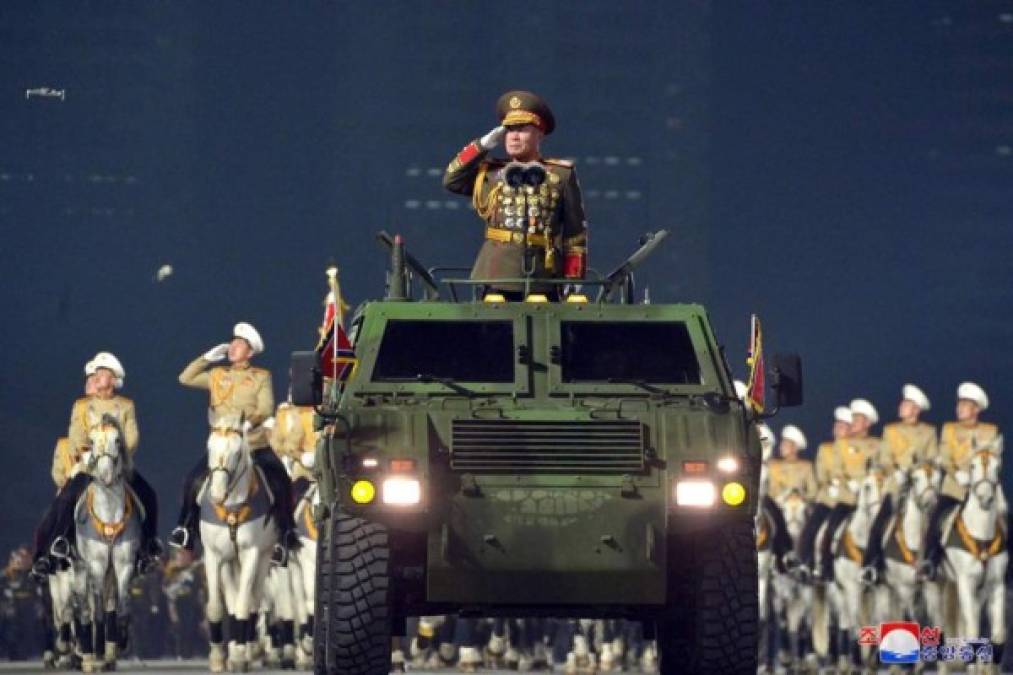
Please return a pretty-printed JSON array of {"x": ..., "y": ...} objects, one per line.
[
  {"x": 285, "y": 615},
  {"x": 246, "y": 605},
  {"x": 215, "y": 607},
  {"x": 997, "y": 621}
]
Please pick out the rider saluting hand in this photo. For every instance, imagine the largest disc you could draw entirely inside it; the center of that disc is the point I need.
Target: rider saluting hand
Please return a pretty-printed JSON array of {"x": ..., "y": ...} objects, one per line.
[{"x": 237, "y": 388}]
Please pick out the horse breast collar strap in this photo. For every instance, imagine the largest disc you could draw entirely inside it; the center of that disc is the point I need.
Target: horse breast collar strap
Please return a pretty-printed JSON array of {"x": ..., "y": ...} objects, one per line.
[
  {"x": 234, "y": 518},
  {"x": 109, "y": 531},
  {"x": 980, "y": 549},
  {"x": 898, "y": 536},
  {"x": 850, "y": 547},
  {"x": 311, "y": 527}
]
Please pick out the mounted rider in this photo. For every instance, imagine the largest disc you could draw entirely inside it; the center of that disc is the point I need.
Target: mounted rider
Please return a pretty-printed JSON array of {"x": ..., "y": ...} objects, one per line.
[
  {"x": 827, "y": 490},
  {"x": 294, "y": 439},
  {"x": 959, "y": 441},
  {"x": 244, "y": 389},
  {"x": 790, "y": 472},
  {"x": 107, "y": 377},
  {"x": 906, "y": 443}
]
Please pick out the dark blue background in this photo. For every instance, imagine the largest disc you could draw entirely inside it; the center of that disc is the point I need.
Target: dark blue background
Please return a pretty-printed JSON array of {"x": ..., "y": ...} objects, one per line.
[{"x": 842, "y": 171}]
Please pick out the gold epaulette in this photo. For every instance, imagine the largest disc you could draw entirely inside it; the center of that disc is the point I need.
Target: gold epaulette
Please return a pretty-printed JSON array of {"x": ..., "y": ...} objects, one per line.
[{"x": 558, "y": 162}]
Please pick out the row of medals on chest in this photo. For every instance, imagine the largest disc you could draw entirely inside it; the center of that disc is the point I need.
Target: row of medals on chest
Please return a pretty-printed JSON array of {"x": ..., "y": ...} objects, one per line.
[{"x": 517, "y": 204}]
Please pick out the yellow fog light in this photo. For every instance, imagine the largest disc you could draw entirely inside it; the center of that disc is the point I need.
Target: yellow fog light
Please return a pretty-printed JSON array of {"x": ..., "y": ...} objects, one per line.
[
  {"x": 733, "y": 494},
  {"x": 536, "y": 297},
  {"x": 494, "y": 297},
  {"x": 577, "y": 298},
  {"x": 363, "y": 492}
]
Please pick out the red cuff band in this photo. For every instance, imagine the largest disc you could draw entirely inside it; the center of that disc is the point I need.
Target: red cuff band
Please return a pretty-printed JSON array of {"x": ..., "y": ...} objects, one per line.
[
  {"x": 574, "y": 265},
  {"x": 469, "y": 153}
]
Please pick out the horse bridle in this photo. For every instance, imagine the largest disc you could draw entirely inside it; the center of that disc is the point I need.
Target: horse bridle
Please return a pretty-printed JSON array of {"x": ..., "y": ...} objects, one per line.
[
  {"x": 97, "y": 455},
  {"x": 231, "y": 481}
]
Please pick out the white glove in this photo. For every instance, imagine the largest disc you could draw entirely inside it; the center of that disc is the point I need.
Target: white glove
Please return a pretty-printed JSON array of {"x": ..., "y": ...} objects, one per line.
[
  {"x": 900, "y": 477},
  {"x": 308, "y": 459},
  {"x": 963, "y": 478},
  {"x": 833, "y": 491},
  {"x": 86, "y": 458},
  {"x": 493, "y": 138},
  {"x": 853, "y": 485},
  {"x": 217, "y": 353}
]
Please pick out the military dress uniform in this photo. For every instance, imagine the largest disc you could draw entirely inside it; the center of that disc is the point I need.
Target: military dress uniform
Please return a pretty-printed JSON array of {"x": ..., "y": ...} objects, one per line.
[
  {"x": 294, "y": 438},
  {"x": 60, "y": 529},
  {"x": 537, "y": 228},
  {"x": 786, "y": 475},
  {"x": 958, "y": 444},
  {"x": 245, "y": 390}
]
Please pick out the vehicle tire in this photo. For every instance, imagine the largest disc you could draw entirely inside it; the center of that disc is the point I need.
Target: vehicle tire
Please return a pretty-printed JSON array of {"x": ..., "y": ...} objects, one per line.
[
  {"x": 711, "y": 620},
  {"x": 352, "y": 632}
]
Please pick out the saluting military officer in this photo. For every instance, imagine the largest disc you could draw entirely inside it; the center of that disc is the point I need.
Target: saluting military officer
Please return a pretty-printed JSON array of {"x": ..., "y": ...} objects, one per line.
[
  {"x": 906, "y": 442},
  {"x": 790, "y": 472},
  {"x": 293, "y": 437},
  {"x": 532, "y": 205},
  {"x": 828, "y": 488},
  {"x": 108, "y": 378},
  {"x": 237, "y": 388},
  {"x": 959, "y": 442}
]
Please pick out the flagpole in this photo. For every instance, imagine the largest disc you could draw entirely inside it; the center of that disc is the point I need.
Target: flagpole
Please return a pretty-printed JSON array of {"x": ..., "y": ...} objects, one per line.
[{"x": 332, "y": 282}]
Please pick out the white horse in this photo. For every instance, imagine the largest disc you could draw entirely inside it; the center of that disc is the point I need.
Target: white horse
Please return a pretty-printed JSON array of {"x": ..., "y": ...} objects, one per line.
[
  {"x": 851, "y": 539},
  {"x": 304, "y": 573},
  {"x": 902, "y": 543},
  {"x": 108, "y": 532},
  {"x": 977, "y": 554},
  {"x": 238, "y": 539},
  {"x": 792, "y": 598}
]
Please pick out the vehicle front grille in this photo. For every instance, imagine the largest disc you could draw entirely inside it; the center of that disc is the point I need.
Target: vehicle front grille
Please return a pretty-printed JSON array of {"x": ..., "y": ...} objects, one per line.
[{"x": 537, "y": 446}]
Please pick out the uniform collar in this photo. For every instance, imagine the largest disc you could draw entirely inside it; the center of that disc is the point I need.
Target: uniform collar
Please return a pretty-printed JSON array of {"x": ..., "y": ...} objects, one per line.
[{"x": 240, "y": 366}]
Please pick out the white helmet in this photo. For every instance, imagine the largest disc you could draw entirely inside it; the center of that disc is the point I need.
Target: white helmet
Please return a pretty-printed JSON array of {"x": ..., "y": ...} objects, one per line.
[
  {"x": 972, "y": 392},
  {"x": 912, "y": 393},
  {"x": 89, "y": 368},
  {"x": 250, "y": 334},
  {"x": 792, "y": 433},
  {"x": 111, "y": 363},
  {"x": 842, "y": 413},
  {"x": 860, "y": 406}
]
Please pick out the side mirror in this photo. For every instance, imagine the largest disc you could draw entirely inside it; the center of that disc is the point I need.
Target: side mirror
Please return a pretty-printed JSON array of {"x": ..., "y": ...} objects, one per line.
[
  {"x": 307, "y": 380},
  {"x": 786, "y": 380}
]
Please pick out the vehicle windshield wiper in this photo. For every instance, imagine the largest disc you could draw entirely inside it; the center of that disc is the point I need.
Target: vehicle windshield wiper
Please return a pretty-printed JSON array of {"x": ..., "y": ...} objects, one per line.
[
  {"x": 446, "y": 382},
  {"x": 649, "y": 388}
]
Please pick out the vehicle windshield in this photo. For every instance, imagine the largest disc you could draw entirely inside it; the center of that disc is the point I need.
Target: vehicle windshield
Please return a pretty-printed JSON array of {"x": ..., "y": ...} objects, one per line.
[
  {"x": 462, "y": 351},
  {"x": 635, "y": 352}
]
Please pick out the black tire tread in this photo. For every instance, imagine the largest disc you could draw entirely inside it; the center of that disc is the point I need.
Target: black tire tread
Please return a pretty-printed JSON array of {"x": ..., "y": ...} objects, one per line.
[{"x": 353, "y": 596}]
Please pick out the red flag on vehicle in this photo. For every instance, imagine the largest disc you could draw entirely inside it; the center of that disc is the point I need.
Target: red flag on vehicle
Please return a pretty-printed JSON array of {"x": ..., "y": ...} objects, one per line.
[
  {"x": 337, "y": 358},
  {"x": 757, "y": 380}
]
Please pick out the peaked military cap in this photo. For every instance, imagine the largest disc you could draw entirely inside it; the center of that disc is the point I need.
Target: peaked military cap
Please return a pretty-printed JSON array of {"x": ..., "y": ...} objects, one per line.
[{"x": 522, "y": 107}]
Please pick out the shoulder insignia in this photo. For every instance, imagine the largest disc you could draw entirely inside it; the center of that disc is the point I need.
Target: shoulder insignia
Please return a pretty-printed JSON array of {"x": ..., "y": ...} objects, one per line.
[
  {"x": 552, "y": 161},
  {"x": 125, "y": 400},
  {"x": 259, "y": 371},
  {"x": 989, "y": 428}
]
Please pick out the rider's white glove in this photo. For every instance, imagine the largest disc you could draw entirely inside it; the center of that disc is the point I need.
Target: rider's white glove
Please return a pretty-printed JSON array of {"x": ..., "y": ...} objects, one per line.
[
  {"x": 899, "y": 477},
  {"x": 86, "y": 458},
  {"x": 833, "y": 491},
  {"x": 308, "y": 459},
  {"x": 963, "y": 478},
  {"x": 217, "y": 353},
  {"x": 493, "y": 138},
  {"x": 853, "y": 485}
]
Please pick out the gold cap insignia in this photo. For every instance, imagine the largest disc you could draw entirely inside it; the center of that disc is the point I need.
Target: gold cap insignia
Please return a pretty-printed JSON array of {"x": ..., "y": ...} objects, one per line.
[{"x": 515, "y": 102}]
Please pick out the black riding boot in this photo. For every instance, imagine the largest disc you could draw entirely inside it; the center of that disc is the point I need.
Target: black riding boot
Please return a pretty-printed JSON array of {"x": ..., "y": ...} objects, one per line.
[
  {"x": 60, "y": 538},
  {"x": 932, "y": 547},
  {"x": 281, "y": 487},
  {"x": 780, "y": 542},
  {"x": 186, "y": 531},
  {"x": 834, "y": 520},
  {"x": 151, "y": 547},
  {"x": 805, "y": 547},
  {"x": 873, "y": 557}
]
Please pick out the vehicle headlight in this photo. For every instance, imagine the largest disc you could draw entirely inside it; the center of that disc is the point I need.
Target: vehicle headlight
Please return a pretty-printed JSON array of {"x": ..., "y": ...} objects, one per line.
[
  {"x": 728, "y": 464},
  {"x": 363, "y": 492},
  {"x": 402, "y": 491},
  {"x": 699, "y": 493}
]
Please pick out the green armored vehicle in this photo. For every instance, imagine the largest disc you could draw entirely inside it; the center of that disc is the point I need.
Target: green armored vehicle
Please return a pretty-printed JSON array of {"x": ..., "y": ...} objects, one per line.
[{"x": 581, "y": 458}]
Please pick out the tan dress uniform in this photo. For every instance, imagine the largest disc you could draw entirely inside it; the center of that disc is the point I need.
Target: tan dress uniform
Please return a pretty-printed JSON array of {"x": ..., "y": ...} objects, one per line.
[
  {"x": 853, "y": 454},
  {"x": 233, "y": 389},
  {"x": 826, "y": 469},
  {"x": 788, "y": 474},
  {"x": 958, "y": 443},
  {"x": 293, "y": 435},
  {"x": 120, "y": 407},
  {"x": 63, "y": 463},
  {"x": 905, "y": 445}
]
